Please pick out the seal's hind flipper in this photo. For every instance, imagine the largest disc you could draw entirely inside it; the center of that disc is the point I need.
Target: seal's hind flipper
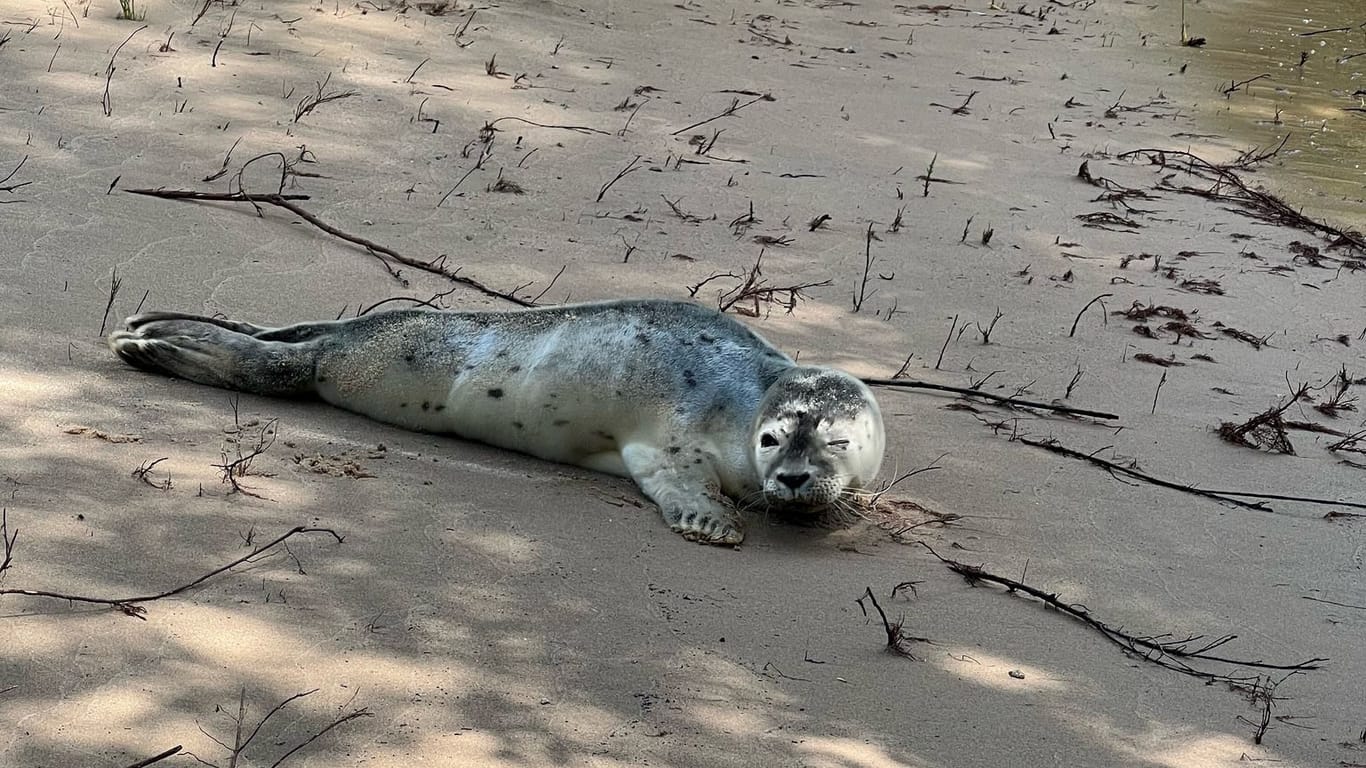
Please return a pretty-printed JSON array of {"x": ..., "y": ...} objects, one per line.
[
  {"x": 134, "y": 322},
  {"x": 215, "y": 352}
]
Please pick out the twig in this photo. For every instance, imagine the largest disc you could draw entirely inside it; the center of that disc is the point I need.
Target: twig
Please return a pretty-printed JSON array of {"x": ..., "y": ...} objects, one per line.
[
  {"x": 226, "y": 159},
  {"x": 10, "y": 175},
  {"x": 1304, "y": 499},
  {"x": 539, "y": 296},
  {"x": 952, "y": 327},
  {"x": 897, "y": 641},
  {"x": 1227, "y": 186},
  {"x": 173, "y": 751},
  {"x": 484, "y": 154},
  {"x": 283, "y": 201},
  {"x": 1100, "y": 299},
  {"x": 309, "y": 103},
  {"x": 862, "y": 294},
  {"x": 753, "y": 287},
  {"x": 1172, "y": 654},
  {"x": 489, "y": 126},
  {"x": 241, "y": 739},
  {"x": 115, "y": 282},
  {"x": 1158, "y": 391},
  {"x": 1112, "y": 467},
  {"x": 630, "y": 167},
  {"x": 961, "y": 109},
  {"x": 1233, "y": 86},
  {"x": 1266, "y": 430},
  {"x": 1013, "y": 401},
  {"x": 146, "y": 467},
  {"x": 735, "y": 106},
  {"x": 129, "y": 605},
  {"x": 109, "y": 68},
  {"x": 7, "y": 539},
  {"x": 985, "y": 333},
  {"x": 413, "y": 74},
  {"x": 241, "y": 466},
  {"x": 335, "y": 723}
]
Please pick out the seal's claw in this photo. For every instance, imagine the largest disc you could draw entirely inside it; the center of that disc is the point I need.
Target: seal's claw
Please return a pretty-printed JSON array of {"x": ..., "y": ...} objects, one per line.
[{"x": 711, "y": 530}]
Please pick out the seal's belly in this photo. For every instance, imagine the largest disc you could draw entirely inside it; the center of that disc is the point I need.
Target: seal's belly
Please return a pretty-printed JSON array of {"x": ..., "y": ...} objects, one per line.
[{"x": 570, "y": 400}]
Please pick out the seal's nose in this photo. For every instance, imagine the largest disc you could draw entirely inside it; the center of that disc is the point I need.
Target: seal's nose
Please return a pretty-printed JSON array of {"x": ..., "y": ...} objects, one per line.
[{"x": 795, "y": 482}]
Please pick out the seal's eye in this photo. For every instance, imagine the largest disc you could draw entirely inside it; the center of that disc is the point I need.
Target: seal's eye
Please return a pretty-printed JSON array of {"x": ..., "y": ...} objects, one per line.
[
  {"x": 838, "y": 443},
  {"x": 767, "y": 440}
]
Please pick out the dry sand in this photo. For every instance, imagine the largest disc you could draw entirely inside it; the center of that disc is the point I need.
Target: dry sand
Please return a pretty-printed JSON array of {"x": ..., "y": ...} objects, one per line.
[{"x": 487, "y": 609}]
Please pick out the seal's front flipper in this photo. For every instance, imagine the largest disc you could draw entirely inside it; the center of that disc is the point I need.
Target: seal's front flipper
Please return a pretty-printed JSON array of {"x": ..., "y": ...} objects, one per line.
[
  {"x": 688, "y": 495},
  {"x": 215, "y": 352}
]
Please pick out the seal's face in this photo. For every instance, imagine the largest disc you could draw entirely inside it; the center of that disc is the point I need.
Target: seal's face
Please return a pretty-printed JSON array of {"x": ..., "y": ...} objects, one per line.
[{"x": 818, "y": 433}]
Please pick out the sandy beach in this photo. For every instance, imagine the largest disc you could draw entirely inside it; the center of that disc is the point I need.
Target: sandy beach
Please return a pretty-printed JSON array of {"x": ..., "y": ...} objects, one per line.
[{"x": 488, "y": 609}]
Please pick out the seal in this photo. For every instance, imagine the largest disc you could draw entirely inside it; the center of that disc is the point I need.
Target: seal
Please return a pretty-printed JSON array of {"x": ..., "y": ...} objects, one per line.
[{"x": 695, "y": 407}]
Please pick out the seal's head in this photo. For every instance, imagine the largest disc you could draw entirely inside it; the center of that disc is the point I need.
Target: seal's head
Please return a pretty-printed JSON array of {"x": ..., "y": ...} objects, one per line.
[{"x": 818, "y": 432}]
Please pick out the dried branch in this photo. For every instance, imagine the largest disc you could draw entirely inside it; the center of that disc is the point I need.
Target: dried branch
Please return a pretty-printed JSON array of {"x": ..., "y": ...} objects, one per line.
[
  {"x": 172, "y": 752},
  {"x": 861, "y": 294},
  {"x": 898, "y": 642},
  {"x": 966, "y": 392},
  {"x": 130, "y": 605},
  {"x": 7, "y": 539},
  {"x": 752, "y": 287},
  {"x": 1100, "y": 299},
  {"x": 630, "y": 168},
  {"x": 115, "y": 283},
  {"x": 735, "y": 106},
  {"x": 1162, "y": 650},
  {"x": 1228, "y": 497},
  {"x": 489, "y": 127},
  {"x": 241, "y": 739},
  {"x": 309, "y": 103},
  {"x": 1266, "y": 430},
  {"x": 375, "y": 249},
  {"x": 1225, "y": 185}
]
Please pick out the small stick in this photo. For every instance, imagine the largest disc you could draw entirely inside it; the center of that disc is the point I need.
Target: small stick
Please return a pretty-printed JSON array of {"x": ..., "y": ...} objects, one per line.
[
  {"x": 109, "y": 69},
  {"x": 630, "y": 167},
  {"x": 735, "y": 106},
  {"x": 283, "y": 201},
  {"x": 1071, "y": 385},
  {"x": 961, "y": 109},
  {"x": 985, "y": 333},
  {"x": 410, "y": 76},
  {"x": 1112, "y": 467},
  {"x": 629, "y": 118},
  {"x": 862, "y": 293},
  {"x": 1305, "y": 499},
  {"x": 896, "y": 639},
  {"x": 173, "y": 751},
  {"x": 115, "y": 282},
  {"x": 952, "y": 326},
  {"x": 7, "y": 539},
  {"x": 1158, "y": 391},
  {"x": 129, "y": 605},
  {"x": 1233, "y": 86},
  {"x": 539, "y": 296},
  {"x": 576, "y": 128},
  {"x": 913, "y": 384},
  {"x": 484, "y": 155},
  {"x": 1099, "y": 298},
  {"x": 10, "y": 175},
  {"x": 1165, "y": 653}
]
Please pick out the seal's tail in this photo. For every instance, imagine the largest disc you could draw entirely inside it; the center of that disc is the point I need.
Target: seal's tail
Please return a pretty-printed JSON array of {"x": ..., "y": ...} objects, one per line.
[{"x": 221, "y": 353}]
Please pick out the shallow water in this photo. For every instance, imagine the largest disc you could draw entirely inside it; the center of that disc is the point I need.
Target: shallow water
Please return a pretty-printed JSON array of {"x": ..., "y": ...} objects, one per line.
[{"x": 1323, "y": 164}]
